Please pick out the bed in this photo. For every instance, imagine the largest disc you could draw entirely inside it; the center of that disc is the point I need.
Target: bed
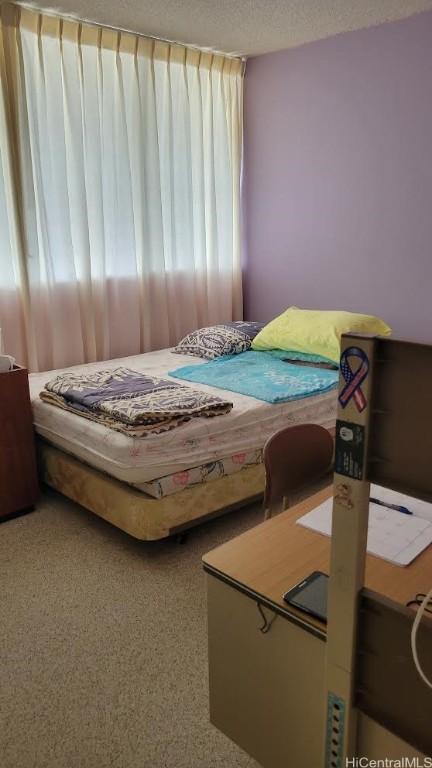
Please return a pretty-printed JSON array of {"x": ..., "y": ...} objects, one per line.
[{"x": 160, "y": 485}]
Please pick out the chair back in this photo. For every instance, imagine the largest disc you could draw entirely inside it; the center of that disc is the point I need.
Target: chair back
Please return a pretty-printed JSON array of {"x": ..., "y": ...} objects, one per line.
[{"x": 294, "y": 457}]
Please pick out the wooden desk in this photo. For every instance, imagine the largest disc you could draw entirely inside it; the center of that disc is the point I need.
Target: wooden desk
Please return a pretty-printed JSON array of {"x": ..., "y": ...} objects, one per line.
[{"x": 267, "y": 690}]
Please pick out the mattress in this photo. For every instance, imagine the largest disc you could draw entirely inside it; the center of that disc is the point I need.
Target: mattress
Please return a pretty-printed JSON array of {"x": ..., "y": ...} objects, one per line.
[{"x": 137, "y": 460}]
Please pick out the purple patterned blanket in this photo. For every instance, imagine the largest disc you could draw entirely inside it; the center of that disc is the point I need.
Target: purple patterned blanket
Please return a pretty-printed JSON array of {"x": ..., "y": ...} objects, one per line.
[{"x": 131, "y": 402}]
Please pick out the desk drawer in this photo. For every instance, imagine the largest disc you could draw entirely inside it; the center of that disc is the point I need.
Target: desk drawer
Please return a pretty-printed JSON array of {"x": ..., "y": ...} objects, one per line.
[{"x": 266, "y": 690}]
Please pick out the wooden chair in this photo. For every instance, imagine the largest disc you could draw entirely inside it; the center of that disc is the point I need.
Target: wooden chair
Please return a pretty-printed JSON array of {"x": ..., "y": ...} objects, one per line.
[{"x": 294, "y": 457}]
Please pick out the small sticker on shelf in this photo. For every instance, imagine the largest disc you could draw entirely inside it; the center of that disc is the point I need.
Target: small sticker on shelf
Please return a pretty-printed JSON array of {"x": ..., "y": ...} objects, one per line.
[{"x": 349, "y": 449}]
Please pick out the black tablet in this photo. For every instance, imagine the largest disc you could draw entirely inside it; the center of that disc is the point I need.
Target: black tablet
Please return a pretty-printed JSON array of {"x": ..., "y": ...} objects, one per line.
[{"x": 310, "y": 595}]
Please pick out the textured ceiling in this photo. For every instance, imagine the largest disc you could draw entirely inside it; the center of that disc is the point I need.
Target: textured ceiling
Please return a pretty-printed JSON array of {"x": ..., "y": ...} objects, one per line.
[{"x": 247, "y": 27}]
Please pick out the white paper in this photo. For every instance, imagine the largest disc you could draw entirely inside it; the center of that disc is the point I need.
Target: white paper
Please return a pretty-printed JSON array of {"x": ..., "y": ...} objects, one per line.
[{"x": 392, "y": 535}]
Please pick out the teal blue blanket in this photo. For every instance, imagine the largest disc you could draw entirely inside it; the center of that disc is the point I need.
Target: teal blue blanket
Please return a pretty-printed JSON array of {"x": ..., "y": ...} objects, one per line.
[{"x": 260, "y": 375}]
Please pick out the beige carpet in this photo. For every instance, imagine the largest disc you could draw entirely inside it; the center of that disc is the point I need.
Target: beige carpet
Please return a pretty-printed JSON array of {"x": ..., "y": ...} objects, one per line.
[{"x": 103, "y": 644}]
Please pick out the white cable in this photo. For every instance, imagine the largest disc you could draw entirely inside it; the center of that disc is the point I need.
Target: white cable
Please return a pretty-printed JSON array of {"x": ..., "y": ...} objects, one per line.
[{"x": 415, "y": 627}]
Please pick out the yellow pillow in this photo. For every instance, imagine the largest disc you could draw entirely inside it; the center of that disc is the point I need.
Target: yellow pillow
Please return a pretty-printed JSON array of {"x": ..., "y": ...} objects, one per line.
[{"x": 315, "y": 331}]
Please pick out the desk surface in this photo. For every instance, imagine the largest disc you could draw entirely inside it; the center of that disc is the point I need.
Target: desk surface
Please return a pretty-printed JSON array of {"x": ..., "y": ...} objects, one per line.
[{"x": 272, "y": 557}]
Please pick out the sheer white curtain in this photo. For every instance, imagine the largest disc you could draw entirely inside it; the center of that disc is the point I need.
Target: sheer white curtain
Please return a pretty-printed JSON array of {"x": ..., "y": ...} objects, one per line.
[
  {"x": 129, "y": 169},
  {"x": 9, "y": 274},
  {"x": 15, "y": 324}
]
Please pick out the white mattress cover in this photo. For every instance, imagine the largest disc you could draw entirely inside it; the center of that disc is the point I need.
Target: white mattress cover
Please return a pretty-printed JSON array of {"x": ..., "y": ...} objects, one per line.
[{"x": 202, "y": 440}]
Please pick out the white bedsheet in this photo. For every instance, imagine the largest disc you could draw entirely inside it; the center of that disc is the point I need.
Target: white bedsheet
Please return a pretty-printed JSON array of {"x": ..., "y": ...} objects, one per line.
[{"x": 137, "y": 460}]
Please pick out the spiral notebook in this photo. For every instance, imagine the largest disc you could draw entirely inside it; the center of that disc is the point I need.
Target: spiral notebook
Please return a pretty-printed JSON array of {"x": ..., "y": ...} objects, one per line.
[{"x": 392, "y": 535}]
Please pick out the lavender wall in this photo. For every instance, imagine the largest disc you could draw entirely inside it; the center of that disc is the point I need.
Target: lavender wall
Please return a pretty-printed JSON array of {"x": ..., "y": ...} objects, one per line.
[{"x": 338, "y": 177}]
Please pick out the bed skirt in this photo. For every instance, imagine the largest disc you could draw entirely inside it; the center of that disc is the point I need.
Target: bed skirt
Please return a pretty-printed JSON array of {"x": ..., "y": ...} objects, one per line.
[{"x": 142, "y": 516}]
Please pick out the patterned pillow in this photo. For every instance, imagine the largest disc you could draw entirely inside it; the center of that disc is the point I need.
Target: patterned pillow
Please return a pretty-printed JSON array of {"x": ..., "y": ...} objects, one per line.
[{"x": 217, "y": 340}]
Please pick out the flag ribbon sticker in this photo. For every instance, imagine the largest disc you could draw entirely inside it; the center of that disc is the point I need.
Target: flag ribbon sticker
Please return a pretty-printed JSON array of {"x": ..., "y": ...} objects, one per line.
[{"x": 353, "y": 378}]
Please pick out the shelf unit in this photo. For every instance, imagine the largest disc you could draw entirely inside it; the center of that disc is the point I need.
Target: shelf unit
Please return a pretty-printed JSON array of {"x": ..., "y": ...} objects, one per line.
[{"x": 384, "y": 436}]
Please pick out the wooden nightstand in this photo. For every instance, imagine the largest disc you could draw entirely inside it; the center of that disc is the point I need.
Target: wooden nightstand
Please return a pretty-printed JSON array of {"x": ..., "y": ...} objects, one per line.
[{"x": 19, "y": 487}]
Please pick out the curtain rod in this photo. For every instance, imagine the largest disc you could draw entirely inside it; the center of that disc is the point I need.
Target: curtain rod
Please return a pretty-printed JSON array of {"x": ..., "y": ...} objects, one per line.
[{"x": 74, "y": 17}]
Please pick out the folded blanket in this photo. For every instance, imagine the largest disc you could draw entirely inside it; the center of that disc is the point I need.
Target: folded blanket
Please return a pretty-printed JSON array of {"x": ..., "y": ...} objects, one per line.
[
  {"x": 261, "y": 375},
  {"x": 131, "y": 402},
  {"x": 302, "y": 358}
]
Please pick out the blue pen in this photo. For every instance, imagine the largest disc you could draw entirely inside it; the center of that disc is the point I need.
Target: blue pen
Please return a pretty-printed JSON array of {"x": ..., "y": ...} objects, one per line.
[{"x": 397, "y": 507}]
